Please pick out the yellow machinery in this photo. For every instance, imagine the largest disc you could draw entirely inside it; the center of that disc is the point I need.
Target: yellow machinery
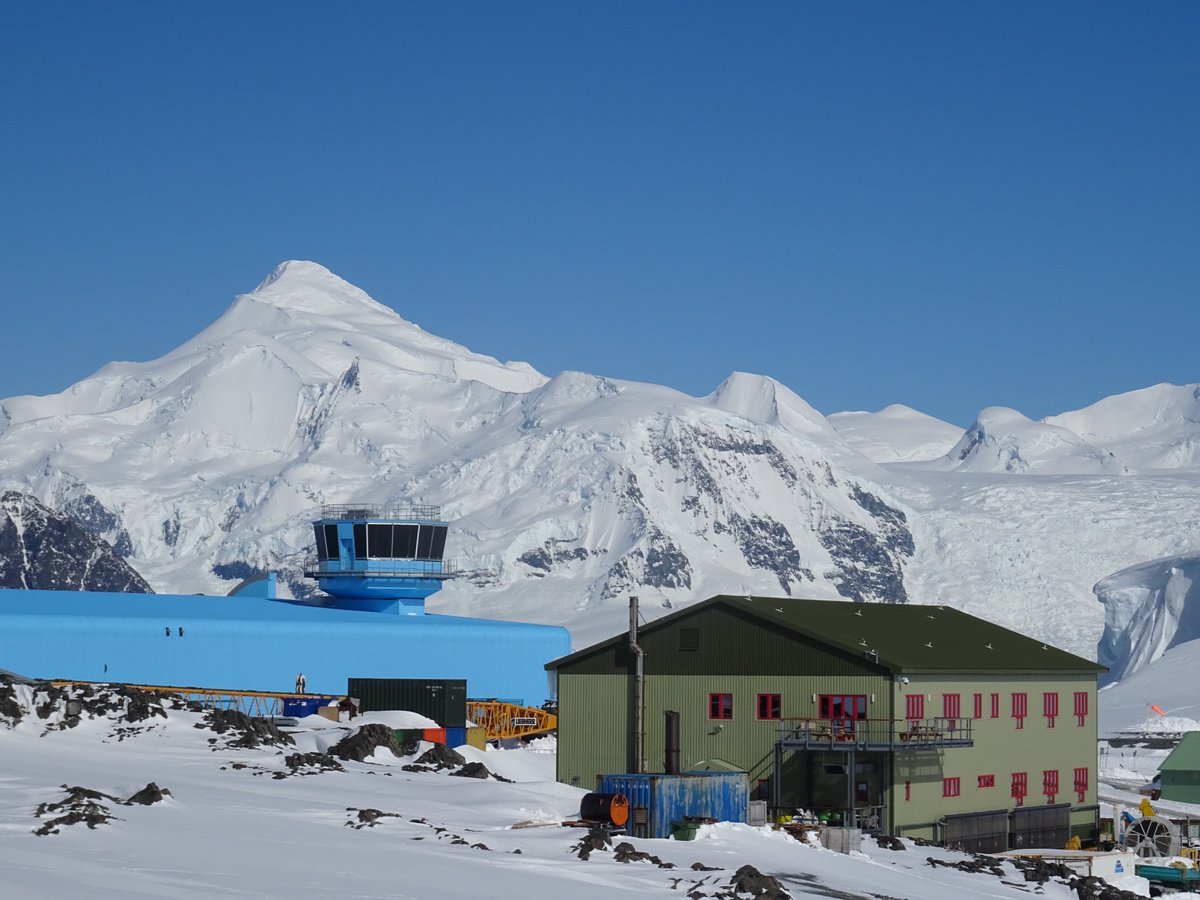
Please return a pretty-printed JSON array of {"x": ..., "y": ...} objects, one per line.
[{"x": 508, "y": 720}]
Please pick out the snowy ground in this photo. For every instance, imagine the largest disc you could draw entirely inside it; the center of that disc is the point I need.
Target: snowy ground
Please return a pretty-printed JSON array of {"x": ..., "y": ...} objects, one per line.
[{"x": 230, "y": 828}]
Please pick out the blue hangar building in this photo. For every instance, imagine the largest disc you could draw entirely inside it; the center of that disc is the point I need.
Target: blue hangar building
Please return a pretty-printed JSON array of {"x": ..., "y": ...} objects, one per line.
[{"x": 375, "y": 565}]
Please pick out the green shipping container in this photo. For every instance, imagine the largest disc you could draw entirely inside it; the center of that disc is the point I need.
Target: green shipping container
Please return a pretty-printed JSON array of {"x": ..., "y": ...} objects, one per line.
[{"x": 444, "y": 700}]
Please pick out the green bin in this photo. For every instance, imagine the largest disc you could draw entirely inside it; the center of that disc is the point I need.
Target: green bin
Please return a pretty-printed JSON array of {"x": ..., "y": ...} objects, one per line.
[{"x": 684, "y": 831}]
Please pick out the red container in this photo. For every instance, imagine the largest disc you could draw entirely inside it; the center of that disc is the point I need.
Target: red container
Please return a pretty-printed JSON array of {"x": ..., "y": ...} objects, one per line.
[{"x": 434, "y": 735}]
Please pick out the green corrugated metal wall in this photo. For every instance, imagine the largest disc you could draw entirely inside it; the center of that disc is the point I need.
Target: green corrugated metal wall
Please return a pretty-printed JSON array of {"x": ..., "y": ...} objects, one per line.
[{"x": 735, "y": 654}]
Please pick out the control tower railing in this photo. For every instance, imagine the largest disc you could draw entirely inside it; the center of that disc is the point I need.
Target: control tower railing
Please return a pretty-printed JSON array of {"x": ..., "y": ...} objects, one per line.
[
  {"x": 405, "y": 512},
  {"x": 388, "y": 568}
]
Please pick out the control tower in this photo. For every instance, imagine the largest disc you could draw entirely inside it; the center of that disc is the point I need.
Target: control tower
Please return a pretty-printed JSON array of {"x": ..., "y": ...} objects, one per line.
[{"x": 380, "y": 558}]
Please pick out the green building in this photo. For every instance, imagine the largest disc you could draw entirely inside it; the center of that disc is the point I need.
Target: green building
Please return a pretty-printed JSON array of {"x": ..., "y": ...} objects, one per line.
[
  {"x": 907, "y": 719},
  {"x": 1179, "y": 776}
]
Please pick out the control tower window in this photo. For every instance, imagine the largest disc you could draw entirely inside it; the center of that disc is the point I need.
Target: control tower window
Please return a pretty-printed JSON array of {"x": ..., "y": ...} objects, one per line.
[
  {"x": 404, "y": 544},
  {"x": 379, "y": 541},
  {"x": 438, "y": 547},
  {"x": 360, "y": 540},
  {"x": 331, "y": 542},
  {"x": 319, "y": 536},
  {"x": 424, "y": 542}
]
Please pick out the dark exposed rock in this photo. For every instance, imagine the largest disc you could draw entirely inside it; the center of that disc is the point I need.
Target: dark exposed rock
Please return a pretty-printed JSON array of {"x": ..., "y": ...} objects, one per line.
[
  {"x": 364, "y": 741},
  {"x": 869, "y": 566},
  {"x": 887, "y": 842},
  {"x": 597, "y": 838},
  {"x": 551, "y": 552},
  {"x": 625, "y": 852},
  {"x": 472, "y": 770},
  {"x": 976, "y": 864},
  {"x": 238, "y": 570},
  {"x": 41, "y": 549},
  {"x": 767, "y": 544},
  {"x": 150, "y": 794},
  {"x": 367, "y": 818},
  {"x": 748, "y": 880},
  {"x": 309, "y": 764},
  {"x": 439, "y": 756},
  {"x": 1089, "y": 887},
  {"x": 247, "y": 731},
  {"x": 9, "y": 707}
]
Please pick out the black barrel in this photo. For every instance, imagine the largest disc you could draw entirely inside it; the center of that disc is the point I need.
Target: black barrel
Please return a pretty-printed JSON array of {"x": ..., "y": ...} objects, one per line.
[{"x": 612, "y": 808}]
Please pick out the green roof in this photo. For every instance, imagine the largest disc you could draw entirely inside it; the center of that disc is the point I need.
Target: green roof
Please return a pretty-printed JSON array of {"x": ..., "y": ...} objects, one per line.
[
  {"x": 1186, "y": 755},
  {"x": 902, "y": 637}
]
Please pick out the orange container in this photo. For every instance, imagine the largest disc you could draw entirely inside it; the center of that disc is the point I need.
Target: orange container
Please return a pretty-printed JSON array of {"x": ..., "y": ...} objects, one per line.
[{"x": 434, "y": 735}]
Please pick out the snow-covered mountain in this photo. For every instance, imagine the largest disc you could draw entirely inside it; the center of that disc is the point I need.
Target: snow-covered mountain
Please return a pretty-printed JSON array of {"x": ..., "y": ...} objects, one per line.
[
  {"x": 1155, "y": 428},
  {"x": 896, "y": 433},
  {"x": 568, "y": 493},
  {"x": 307, "y": 391},
  {"x": 1003, "y": 440}
]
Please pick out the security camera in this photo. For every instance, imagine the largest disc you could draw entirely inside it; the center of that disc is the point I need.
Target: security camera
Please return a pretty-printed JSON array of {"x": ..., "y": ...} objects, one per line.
[{"x": 904, "y": 679}]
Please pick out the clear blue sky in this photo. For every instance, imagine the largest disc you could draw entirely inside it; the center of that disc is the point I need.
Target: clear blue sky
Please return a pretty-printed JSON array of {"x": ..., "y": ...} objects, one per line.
[{"x": 948, "y": 205}]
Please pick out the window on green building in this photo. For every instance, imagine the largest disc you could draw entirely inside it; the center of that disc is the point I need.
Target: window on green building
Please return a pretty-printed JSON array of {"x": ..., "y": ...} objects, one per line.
[
  {"x": 720, "y": 706},
  {"x": 770, "y": 706}
]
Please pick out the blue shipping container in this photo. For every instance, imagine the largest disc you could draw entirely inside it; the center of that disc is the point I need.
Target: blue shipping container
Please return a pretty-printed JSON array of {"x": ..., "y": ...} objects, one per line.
[
  {"x": 305, "y": 707},
  {"x": 657, "y": 801},
  {"x": 456, "y": 737}
]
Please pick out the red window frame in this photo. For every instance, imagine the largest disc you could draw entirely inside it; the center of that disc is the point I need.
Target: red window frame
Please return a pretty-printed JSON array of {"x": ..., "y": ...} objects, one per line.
[
  {"x": 914, "y": 707},
  {"x": 1081, "y": 707},
  {"x": 951, "y": 706},
  {"x": 995, "y": 706},
  {"x": 951, "y": 787},
  {"x": 979, "y": 706},
  {"x": 1020, "y": 707},
  {"x": 1050, "y": 707},
  {"x": 842, "y": 711},
  {"x": 987, "y": 781},
  {"x": 770, "y": 706},
  {"x": 1020, "y": 787},
  {"x": 1050, "y": 784},
  {"x": 1081, "y": 783},
  {"x": 720, "y": 706}
]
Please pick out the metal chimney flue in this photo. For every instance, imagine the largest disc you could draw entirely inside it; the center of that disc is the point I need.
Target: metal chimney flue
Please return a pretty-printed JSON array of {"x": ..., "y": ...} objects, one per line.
[{"x": 671, "y": 742}]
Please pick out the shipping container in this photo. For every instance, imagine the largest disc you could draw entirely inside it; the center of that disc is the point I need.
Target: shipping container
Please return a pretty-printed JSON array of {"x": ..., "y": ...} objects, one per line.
[
  {"x": 409, "y": 735},
  {"x": 658, "y": 802},
  {"x": 456, "y": 737},
  {"x": 477, "y": 738},
  {"x": 444, "y": 700},
  {"x": 434, "y": 735},
  {"x": 306, "y": 706}
]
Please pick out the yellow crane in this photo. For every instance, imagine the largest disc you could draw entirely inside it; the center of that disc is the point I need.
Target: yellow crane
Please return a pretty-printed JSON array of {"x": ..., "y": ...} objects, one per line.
[{"x": 509, "y": 720}]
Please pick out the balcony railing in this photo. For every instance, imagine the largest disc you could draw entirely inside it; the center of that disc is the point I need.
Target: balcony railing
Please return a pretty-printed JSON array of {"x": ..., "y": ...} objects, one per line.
[
  {"x": 407, "y": 512},
  {"x": 875, "y": 734},
  {"x": 382, "y": 568}
]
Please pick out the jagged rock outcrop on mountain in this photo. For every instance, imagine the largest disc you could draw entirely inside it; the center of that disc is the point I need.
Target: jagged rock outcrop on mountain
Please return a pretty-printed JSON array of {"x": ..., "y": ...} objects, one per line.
[{"x": 46, "y": 550}]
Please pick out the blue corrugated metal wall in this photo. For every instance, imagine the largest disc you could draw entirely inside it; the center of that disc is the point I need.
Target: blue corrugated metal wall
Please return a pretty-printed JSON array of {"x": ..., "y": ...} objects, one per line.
[
  {"x": 248, "y": 642},
  {"x": 668, "y": 799}
]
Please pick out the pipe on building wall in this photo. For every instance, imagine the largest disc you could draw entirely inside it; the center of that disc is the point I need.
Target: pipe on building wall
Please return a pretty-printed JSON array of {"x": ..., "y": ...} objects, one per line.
[
  {"x": 639, "y": 726},
  {"x": 671, "y": 763}
]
